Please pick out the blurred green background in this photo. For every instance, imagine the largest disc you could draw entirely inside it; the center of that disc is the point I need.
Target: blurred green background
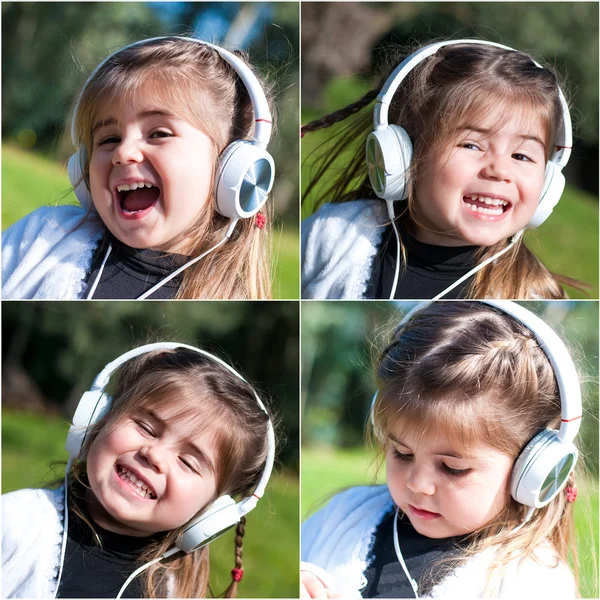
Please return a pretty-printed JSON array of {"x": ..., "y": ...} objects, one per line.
[
  {"x": 53, "y": 350},
  {"x": 340, "y": 341},
  {"x": 50, "y": 48},
  {"x": 340, "y": 59}
]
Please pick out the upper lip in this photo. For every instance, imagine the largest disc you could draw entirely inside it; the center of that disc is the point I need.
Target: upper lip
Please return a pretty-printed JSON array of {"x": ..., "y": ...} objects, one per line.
[
  {"x": 425, "y": 510},
  {"x": 140, "y": 477}
]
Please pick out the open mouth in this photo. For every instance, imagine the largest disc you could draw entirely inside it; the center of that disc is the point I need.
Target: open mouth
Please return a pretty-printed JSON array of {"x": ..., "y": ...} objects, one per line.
[
  {"x": 486, "y": 205},
  {"x": 137, "y": 198},
  {"x": 136, "y": 485}
]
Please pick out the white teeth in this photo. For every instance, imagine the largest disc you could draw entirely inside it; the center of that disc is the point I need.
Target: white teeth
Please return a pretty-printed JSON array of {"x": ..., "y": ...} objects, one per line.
[
  {"x": 143, "y": 488},
  {"x": 488, "y": 200},
  {"x": 485, "y": 211},
  {"x": 125, "y": 187}
]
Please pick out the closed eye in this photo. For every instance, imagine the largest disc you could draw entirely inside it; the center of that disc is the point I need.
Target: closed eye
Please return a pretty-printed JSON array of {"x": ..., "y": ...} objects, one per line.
[
  {"x": 188, "y": 464},
  {"x": 445, "y": 467},
  {"x": 401, "y": 456},
  {"x": 455, "y": 472},
  {"x": 146, "y": 428}
]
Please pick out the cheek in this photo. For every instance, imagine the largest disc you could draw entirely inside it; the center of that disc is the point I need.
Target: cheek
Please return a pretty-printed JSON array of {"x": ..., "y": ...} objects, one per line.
[{"x": 395, "y": 479}]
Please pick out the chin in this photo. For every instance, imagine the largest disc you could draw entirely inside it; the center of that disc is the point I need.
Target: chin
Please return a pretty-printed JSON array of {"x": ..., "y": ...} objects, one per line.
[{"x": 483, "y": 239}]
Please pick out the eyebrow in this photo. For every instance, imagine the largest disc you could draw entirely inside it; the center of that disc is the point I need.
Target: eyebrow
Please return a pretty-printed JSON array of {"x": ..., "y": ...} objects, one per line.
[
  {"x": 202, "y": 456},
  {"x": 524, "y": 137},
  {"x": 142, "y": 115},
  {"x": 450, "y": 453}
]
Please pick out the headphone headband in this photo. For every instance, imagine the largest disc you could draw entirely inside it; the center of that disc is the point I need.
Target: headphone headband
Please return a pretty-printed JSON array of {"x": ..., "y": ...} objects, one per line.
[
  {"x": 262, "y": 114},
  {"x": 556, "y": 352},
  {"x": 562, "y": 149}
]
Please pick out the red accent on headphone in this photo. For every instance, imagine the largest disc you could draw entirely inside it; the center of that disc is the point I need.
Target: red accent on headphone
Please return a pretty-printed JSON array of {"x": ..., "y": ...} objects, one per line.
[
  {"x": 262, "y": 120},
  {"x": 564, "y": 147},
  {"x": 569, "y": 420},
  {"x": 237, "y": 574},
  {"x": 257, "y": 497},
  {"x": 301, "y": 134}
]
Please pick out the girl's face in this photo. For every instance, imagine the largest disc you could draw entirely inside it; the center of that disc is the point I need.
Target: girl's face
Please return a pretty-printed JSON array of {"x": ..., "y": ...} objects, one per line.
[
  {"x": 174, "y": 462},
  {"x": 142, "y": 144},
  {"x": 486, "y": 185},
  {"x": 443, "y": 492}
]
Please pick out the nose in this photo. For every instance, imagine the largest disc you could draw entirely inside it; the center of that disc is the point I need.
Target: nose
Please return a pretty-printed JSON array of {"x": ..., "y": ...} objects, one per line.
[
  {"x": 497, "y": 168},
  {"x": 127, "y": 152},
  {"x": 420, "y": 480},
  {"x": 155, "y": 456}
]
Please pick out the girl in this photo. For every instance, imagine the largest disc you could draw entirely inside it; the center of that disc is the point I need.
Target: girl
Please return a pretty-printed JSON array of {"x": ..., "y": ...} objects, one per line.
[
  {"x": 479, "y": 134},
  {"x": 147, "y": 472},
  {"x": 164, "y": 170},
  {"x": 464, "y": 389}
]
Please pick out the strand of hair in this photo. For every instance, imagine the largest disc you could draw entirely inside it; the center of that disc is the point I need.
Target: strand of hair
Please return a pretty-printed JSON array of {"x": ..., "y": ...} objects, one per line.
[{"x": 339, "y": 115}]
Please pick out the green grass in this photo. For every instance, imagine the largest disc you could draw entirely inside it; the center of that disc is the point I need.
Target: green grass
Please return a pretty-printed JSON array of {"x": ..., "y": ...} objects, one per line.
[
  {"x": 567, "y": 243},
  {"x": 30, "y": 181},
  {"x": 271, "y": 545},
  {"x": 326, "y": 471}
]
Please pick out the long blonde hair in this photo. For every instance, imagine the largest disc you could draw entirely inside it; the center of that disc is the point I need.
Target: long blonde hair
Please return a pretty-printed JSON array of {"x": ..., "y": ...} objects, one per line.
[
  {"x": 460, "y": 83},
  {"x": 205, "y": 393},
  {"x": 474, "y": 373},
  {"x": 196, "y": 83}
]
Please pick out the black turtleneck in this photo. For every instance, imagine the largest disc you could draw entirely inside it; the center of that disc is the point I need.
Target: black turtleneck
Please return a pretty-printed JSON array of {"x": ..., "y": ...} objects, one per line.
[
  {"x": 128, "y": 272},
  {"x": 384, "y": 574},
  {"x": 428, "y": 270},
  {"x": 91, "y": 571}
]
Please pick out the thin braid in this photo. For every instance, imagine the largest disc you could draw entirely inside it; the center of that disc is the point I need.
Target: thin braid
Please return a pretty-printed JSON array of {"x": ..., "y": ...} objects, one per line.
[
  {"x": 340, "y": 115},
  {"x": 231, "y": 591},
  {"x": 239, "y": 540}
]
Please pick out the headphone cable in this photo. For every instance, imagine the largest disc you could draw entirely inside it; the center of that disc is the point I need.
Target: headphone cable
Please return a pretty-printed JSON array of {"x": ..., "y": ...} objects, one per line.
[
  {"x": 168, "y": 277},
  {"x": 413, "y": 583},
  {"x": 513, "y": 241},
  {"x": 168, "y": 553}
]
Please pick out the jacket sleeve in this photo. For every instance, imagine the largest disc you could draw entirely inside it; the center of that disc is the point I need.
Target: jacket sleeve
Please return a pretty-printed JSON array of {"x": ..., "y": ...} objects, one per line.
[
  {"x": 338, "y": 244},
  {"x": 46, "y": 254}
]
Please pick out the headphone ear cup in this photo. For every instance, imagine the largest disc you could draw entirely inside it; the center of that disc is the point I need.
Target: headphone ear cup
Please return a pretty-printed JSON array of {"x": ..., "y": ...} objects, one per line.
[
  {"x": 244, "y": 181},
  {"x": 91, "y": 408},
  {"x": 389, "y": 155},
  {"x": 554, "y": 185},
  {"x": 221, "y": 515},
  {"x": 80, "y": 187},
  {"x": 542, "y": 469}
]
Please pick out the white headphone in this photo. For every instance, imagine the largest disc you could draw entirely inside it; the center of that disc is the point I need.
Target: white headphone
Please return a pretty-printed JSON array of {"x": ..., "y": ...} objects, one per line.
[
  {"x": 246, "y": 169},
  {"x": 389, "y": 148},
  {"x": 543, "y": 467}
]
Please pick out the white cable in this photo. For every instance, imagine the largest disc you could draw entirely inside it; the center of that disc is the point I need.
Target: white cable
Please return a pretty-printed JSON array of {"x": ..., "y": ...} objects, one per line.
[
  {"x": 478, "y": 267},
  {"x": 528, "y": 516},
  {"x": 168, "y": 553},
  {"x": 97, "y": 281},
  {"x": 177, "y": 271},
  {"x": 168, "y": 277},
  {"x": 392, "y": 215},
  {"x": 413, "y": 583},
  {"x": 397, "y": 273}
]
